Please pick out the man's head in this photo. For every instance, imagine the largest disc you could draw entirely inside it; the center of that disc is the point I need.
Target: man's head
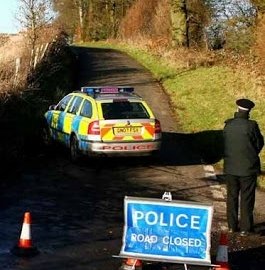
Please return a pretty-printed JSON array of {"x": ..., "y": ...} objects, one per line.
[{"x": 245, "y": 105}]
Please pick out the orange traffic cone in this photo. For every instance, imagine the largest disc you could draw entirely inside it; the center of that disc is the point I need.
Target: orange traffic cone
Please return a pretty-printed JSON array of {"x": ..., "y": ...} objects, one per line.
[
  {"x": 222, "y": 253},
  {"x": 131, "y": 264},
  {"x": 24, "y": 246}
]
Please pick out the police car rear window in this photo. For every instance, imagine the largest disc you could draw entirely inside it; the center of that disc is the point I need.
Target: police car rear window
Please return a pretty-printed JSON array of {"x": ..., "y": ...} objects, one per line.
[{"x": 124, "y": 110}]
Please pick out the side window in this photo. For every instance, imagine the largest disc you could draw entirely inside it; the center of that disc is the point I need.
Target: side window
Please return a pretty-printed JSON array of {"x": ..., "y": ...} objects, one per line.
[
  {"x": 63, "y": 103},
  {"x": 74, "y": 105},
  {"x": 86, "y": 109}
]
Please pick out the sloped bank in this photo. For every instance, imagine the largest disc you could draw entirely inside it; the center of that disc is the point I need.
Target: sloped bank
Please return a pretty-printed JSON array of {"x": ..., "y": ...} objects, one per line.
[{"x": 22, "y": 111}]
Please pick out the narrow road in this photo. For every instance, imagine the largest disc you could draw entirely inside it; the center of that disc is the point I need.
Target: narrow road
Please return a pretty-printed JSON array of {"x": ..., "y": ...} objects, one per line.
[{"x": 77, "y": 210}]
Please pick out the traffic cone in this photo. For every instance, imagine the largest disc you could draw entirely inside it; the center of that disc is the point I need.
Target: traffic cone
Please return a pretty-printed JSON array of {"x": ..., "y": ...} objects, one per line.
[
  {"x": 131, "y": 264},
  {"x": 24, "y": 246},
  {"x": 222, "y": 253}
]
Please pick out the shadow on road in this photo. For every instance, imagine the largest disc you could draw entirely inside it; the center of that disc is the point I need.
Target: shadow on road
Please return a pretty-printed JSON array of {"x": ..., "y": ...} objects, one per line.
[
  {"x": 110, "y": 68},
  {"x": 178, "y": 149},
  {"x": 205, "y": 147}
]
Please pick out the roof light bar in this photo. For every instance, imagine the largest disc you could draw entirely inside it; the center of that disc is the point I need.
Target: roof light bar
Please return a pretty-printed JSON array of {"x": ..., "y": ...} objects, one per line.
[{"x": 106, "y": 90}]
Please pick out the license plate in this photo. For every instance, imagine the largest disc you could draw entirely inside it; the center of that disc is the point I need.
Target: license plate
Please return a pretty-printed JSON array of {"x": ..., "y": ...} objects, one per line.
[{"x": 130, "y": 130}]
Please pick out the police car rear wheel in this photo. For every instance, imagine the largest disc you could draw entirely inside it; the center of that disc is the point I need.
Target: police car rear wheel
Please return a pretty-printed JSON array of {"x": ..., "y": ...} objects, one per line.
[{"x": 74, "y": 150}]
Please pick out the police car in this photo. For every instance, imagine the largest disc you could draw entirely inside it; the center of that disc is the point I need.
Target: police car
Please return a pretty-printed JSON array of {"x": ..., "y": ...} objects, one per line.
[{"x": 104, "y": 121}]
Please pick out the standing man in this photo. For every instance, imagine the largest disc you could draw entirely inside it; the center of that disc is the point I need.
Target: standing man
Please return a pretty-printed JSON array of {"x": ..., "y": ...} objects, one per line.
[{"x": 243, "y": 142}]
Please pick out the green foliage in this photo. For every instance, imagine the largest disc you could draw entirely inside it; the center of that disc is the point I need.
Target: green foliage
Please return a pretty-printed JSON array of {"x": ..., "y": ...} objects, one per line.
[{"x": 240, "y": 39}]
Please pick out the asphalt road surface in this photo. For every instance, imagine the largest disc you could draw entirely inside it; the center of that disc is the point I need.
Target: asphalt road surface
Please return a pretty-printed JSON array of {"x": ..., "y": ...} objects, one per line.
[{"x": 77, "y": 209}]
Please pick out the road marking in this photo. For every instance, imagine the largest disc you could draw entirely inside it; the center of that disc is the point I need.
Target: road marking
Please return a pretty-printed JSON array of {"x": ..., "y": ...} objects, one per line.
[
  {"x": 209, "y": 172},
  {"x": 219, "y": 194}
]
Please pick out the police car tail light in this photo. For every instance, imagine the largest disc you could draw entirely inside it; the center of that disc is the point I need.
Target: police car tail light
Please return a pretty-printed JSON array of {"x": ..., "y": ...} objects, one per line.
[
  {"x": 94, "y": 128},
  {"x": 157, "y": 126}
]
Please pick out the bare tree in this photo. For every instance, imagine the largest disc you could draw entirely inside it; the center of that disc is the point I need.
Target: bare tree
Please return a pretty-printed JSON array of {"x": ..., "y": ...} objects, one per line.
[
  {"x": 34, "y": 16},
  {"x": 67, "y": 16},
  {"x": 84, "y": 10}
]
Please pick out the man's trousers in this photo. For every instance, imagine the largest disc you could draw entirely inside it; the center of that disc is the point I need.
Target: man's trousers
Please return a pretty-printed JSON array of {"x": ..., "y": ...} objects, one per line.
[{"x": 240, "y": 191}]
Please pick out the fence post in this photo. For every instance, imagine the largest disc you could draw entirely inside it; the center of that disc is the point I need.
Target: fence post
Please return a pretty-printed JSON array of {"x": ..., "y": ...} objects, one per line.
[
  {"x": 36, "y": 57},
  {"x": 17, "y": 69},
  {"x": 31, "y": 58},
  {"x": 44, "y": 50}
]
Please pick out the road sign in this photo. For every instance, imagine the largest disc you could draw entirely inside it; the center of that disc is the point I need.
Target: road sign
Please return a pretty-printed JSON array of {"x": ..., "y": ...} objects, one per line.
[{"x": 173, "y": 231}]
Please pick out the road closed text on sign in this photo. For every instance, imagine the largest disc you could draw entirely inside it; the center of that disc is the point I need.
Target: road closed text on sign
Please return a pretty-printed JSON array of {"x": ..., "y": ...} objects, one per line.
[{"x": 169, "y": 231}]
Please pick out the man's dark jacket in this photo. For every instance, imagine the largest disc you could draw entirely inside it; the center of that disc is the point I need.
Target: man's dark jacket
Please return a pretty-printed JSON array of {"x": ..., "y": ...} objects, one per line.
[{"x": 243, "y": 142}]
